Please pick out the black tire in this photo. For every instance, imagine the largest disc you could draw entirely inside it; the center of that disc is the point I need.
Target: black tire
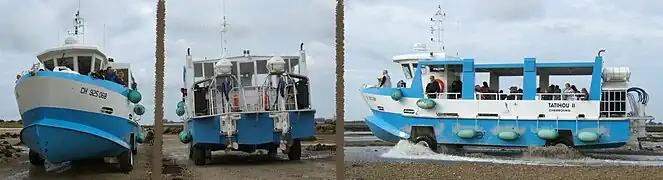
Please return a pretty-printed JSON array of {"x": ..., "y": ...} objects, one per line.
[
  {"x": 132, "y": 141},
  {"x": 35, "y": 158},
  {"x": 563, "y": 141},
  {"x": 199, "y": 154},
  {"x": 190, "y": 151},
  {"x": 295, "y": 152},
  {"x": 126, "y": 160},
  {"x": 273, "y": 150},
  {"x": 426, "y": 141}
]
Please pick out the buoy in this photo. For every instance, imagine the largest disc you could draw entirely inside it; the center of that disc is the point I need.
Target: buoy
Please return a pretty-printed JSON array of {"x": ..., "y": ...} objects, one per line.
[
  {"x": 185, "y": 137},
  {"x": 134, "y": 96},
  {"x": 426, "y": 103},
  {"x": 396, "y": 95},
  {"x": 547, "y": 134},
  {"x": 140, "y": 138},
  {"x": 180, "y": 104},
  {"x": 588, "y": 136},
  {"x": 139, "y": 109},
  {"x": 179, "y": 111},
  {"x": 466, "y": 133},
  {"x": 508, "y": 135}
]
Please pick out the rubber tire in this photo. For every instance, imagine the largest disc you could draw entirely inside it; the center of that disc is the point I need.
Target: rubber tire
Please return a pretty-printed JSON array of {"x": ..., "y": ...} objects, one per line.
[
  {"x": 126, "y": 161},
  {"x": 190, "y": 151},
  {"x": 134, "y": 149},
  {"x": 295, "y": 150},
  {"x": 432, "y": 145},
  {"x": 35, "y": 158},
  {"x": 273, "y": 150},
  {"x": 199, "y": 154},
  {"x": 560, "y": 141}
]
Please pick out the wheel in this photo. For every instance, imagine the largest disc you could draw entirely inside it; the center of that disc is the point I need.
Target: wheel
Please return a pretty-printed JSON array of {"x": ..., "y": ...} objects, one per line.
[
  {"x": 199, "y": 154},
  {"x": 272, "y": 150},
  {"x": 560, "y": 141},
  {"x": 134, "y": 149},
  {"x": 427, "y": 142},
  {"x": 35, "y": 158},
  {"x": 295, "y": 152},
  {"x": 126, "y": 160},
  {"x": 190, "y": 151}
]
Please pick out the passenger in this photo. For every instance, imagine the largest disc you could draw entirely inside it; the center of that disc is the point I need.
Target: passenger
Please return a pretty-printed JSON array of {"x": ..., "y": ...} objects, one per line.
[
  {"x": 502, "y": 95},
  {"x": 484, "y": 88},
  {"x": 567, "y": 94},
  {"x": 557, "y": 92},
  {"x": 432, "y": 88},
  {"x": 120, "y": 79},
  {"x": 385, "y": 81},
  {"x": 585, "y": 94}
]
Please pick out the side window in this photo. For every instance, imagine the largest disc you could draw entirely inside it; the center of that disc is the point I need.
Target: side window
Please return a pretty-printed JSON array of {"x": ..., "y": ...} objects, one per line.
[
  {"x": 84, "y": 64},
  {"x": 261, "y": 65},
  {"x": 406, "y": 70},
  {"x": 197, "y": 70},
  {"x": 49, "y": 64},
  {"x": 208, "y": 69},
  {"x": 247, "y": 73},
  {"x": 67, "y": 62},
  {"x": 97, "y": 64},
  {"x": 287, "y": 65}
]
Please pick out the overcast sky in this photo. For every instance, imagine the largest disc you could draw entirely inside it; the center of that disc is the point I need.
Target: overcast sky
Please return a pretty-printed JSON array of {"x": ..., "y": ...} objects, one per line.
[
  {"x": 506, "y": 31},
  {"x": 265, "y": 27}
]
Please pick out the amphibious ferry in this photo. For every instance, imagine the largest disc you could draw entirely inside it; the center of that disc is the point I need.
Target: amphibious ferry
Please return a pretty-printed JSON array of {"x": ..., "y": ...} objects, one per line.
[
  {"x": 609, "y": 114},
  {"x": 71, "y": 112},
  {"x": 245, "y": 103}
]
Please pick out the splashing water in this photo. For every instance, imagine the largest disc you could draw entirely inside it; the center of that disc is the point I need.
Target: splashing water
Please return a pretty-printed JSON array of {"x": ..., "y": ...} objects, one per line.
[{"x": 540, "y": 156}]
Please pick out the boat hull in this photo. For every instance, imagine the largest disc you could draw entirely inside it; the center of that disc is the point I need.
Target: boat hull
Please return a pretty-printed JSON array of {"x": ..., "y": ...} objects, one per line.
[
  {"x": 389, "y": 125},
  {"x": 252, "y": 129},
  {"x": 64, "y": 121}
]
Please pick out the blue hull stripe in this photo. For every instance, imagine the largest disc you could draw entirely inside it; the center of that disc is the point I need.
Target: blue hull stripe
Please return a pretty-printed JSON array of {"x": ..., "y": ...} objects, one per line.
[
  {"x": 387, "y": 126},
  {"x": 64, "y": 134}
]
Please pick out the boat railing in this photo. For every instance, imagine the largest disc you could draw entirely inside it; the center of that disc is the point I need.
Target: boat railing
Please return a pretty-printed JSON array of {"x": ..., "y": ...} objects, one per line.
[
  {"x": 561, "y": 96},
  {"x": 444, "y": 95}
]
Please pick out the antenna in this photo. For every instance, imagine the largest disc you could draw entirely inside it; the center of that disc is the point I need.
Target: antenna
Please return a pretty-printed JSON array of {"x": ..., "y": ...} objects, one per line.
[
  {"x": 224, "y": 29},
  {"x": 437, "y": 28},
  {"x": 104, "y": 43},
  {"x": 78, "y": 30}
]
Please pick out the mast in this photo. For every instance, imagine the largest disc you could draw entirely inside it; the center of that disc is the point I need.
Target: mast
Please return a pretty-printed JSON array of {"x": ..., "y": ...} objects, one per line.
[
  {"x": 224, "y": 29},
  {"x": 437, "y": 28},
  {"x": 79, "y": 29}
]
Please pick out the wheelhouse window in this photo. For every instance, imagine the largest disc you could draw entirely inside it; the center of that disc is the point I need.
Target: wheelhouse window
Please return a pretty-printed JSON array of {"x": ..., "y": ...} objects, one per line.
[
  {"x": 84, "y": 64},
  {"x": 49, "y": 64},
  {"x": 208, "y": 69},
  {"x": 261, "y": 66},
  {"x": 197, "y": 69},
  {"x": 407, "y": 71},
  {"x": 67, "y": 62},
  {"x": 287, "y": 65},
  {"x": 247, "y": 73},
  {"x": 97, "y": 64}
]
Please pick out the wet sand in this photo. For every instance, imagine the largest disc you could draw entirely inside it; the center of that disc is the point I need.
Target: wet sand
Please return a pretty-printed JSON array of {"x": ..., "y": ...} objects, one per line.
[
  {"x": 363, "y": 160},
  {"x": 316, "y": 163}
]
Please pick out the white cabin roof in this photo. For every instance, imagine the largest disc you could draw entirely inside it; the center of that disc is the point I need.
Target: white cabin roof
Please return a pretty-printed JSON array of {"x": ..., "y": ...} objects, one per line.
[
  {"x": 416, "y": 57},
  {"x": 71, "y": 46}
]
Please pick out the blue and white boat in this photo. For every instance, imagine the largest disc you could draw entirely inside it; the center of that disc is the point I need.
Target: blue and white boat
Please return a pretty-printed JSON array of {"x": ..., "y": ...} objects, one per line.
[
  {"x": 611, "y": 114},
  {"x": 69, "y": 113}
]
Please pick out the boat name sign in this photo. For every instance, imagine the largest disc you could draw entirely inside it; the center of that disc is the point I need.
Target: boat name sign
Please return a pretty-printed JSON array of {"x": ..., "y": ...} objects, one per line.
[
  {"x": 561, "y": 107},
  {"x": 94, "y": 93}
]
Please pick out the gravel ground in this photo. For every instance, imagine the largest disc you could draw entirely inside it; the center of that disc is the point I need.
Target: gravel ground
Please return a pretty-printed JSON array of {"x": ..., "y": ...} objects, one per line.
[
  {"x": 496, "y": 171},
  {"x": 318, "y": 164}
]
